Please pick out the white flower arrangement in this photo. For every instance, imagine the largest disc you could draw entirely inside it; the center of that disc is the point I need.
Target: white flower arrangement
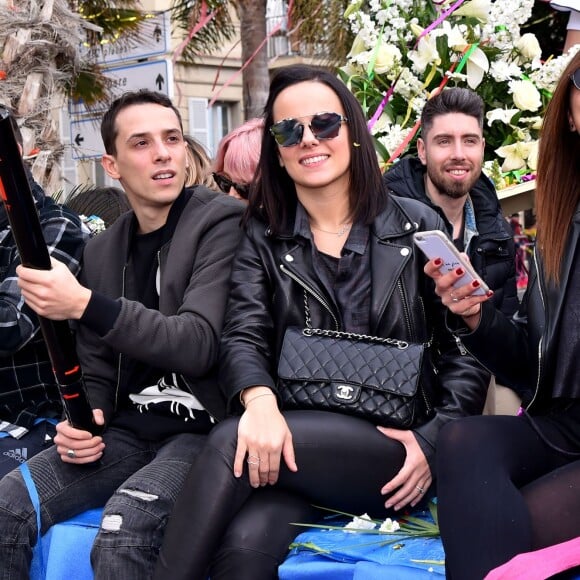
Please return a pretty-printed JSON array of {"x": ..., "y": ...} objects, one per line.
[
  {"x": 408, "y": 526},
  {"x": 405, "y": 50},
  {"x": 365, "y": 523}
]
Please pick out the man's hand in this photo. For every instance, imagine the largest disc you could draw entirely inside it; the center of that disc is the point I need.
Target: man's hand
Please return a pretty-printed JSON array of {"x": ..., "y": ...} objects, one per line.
[
  {"x": 414, "y": 478},
  {"x": 54, "y": 293},
  {"x": 77, "y": 446}
]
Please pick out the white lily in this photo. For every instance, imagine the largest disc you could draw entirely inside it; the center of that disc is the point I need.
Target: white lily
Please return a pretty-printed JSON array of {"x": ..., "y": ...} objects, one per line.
[
  {"x": 455, "y": 38},
  {"x": 533, "y": 155},
  {"x": 476, "y": 8},
  {"x": 477, "y": 66},
  {"x": 477, "y": 63},
  {"x": 425, "y": 54},
  {"x": 358, "y": 46},
  {"x": 502, "y": 115},
  {"x": 416, "y": 29},
  {"x": 514, "y": 155}
]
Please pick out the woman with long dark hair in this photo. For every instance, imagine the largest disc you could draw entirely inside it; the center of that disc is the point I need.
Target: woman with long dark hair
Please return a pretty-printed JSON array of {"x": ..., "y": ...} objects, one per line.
[
  {"x": 324, "y": 245},
  {"x": 509, "y": 485}
]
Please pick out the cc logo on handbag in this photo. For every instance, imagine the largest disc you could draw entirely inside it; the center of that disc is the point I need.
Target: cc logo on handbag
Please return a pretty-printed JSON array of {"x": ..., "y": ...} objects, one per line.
[{"x": 344, "y": 392}]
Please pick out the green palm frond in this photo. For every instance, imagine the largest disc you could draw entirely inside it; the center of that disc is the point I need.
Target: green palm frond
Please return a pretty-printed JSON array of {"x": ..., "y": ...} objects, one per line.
[
  {"x": 187, "y": 13},
  {"x": 322, "y": 30}
]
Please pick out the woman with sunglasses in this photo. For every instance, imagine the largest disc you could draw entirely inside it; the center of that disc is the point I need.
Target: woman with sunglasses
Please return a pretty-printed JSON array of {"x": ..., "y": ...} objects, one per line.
[
  {"x": 320, "y": 229},
  {"x": 508, "y": 485},
  {"x": 237, "y": 158}
]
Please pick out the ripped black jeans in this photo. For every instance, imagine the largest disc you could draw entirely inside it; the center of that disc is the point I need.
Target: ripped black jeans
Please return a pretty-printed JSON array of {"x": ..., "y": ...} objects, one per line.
[{"x": 137, "y": 481}]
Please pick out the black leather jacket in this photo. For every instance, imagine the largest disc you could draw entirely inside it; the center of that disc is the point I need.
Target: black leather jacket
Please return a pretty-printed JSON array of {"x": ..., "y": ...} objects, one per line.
[
  {"x": 270, "y": 274},
  {"x": 522, "y": 351},
  {"x": 492, "y": 252}
]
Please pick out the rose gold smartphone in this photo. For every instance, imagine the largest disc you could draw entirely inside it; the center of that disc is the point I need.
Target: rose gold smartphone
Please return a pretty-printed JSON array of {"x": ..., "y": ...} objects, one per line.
[{"x": 435, "y": 244}]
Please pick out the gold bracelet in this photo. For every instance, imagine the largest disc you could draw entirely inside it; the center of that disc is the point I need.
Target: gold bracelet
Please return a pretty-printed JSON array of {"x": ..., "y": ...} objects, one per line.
[{"x": 257, "y": 397}]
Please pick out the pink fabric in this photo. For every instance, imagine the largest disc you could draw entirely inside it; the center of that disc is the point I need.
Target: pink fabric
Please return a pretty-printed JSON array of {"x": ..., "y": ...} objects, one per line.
[{"x": 540, "y": 564}]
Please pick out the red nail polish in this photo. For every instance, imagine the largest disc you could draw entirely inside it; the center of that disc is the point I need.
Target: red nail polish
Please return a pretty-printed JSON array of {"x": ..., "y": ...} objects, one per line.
[
  {"x": 438, "y": 261},
  {"x": 475, "y": 283},
  {"x": 489, "y": 293},
  {"x": 459, "y": 271}
]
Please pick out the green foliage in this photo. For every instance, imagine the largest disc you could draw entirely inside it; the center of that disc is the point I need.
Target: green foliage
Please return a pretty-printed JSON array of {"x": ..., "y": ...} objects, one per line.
[
  {"x": 321, "y": 29},
  {"x": 117, "y": 19},
  {"x": 220, "y": 29}
]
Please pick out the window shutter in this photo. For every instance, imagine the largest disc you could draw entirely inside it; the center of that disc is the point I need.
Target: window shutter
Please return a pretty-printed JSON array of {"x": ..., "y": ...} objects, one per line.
[{"x": 199, "y": 121}]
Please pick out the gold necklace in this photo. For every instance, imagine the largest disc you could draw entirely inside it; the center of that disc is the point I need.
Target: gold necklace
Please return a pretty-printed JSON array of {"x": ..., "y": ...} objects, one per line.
[{"x": 341, "y": 231}]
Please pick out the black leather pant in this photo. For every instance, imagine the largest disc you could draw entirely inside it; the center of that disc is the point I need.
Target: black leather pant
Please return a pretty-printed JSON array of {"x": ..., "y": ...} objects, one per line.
[{"x": 223, "y": 527}]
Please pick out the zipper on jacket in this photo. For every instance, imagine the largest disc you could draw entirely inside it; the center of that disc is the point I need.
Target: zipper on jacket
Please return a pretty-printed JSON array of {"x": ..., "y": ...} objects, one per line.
[
  {"x": 460, "y": 345},
  {"x": 406, "y": 310},
  {"x": 540, "y": 343},
  {"x": 312, "y": 292},
  {"x": 120, "y": 354}
]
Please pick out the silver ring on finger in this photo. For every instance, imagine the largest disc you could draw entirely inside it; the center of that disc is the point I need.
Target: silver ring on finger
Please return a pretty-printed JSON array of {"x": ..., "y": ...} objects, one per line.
[
  {"x": 253, "y": 460},
  {"x": 71, "y": 454},
  {"x": 453, "y": 297},
  {"x": 420, "y": 489}
]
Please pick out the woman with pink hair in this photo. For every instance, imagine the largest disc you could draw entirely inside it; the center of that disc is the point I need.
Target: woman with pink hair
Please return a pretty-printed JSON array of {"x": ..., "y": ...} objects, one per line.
[{"x": 237, "y": 158}]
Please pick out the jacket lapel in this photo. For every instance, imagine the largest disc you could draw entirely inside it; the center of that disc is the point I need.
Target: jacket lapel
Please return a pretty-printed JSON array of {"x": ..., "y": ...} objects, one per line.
[{"x": 390, "y": 252}]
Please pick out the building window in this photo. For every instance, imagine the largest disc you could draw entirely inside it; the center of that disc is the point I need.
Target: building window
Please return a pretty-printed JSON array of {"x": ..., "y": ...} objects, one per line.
[{"x": 209, "y": 126}]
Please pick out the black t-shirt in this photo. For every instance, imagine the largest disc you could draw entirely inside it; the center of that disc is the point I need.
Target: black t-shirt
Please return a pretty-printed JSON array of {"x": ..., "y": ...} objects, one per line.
[
  {"x": 140, "y": 284},
  {"x": 144, "y": 389}
]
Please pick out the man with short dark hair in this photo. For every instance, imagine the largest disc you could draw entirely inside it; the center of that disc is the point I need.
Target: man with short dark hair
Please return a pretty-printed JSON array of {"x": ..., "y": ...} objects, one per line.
[
  {"x": 149, "y": 310},
  {"x": 447, "y": 176},
  {"x": 29, "y": 396}
]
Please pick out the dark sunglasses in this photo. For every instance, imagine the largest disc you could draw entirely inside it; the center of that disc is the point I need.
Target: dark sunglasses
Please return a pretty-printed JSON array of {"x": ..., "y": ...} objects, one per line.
[
  {"x": 289, "y": 132},
  {"x": 225, "y": 184},
  {"x": 575, "y": 78}
]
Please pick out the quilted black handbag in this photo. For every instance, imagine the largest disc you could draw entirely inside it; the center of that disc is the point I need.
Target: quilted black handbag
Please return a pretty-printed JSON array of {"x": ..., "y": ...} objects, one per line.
[{"x": 369, "y": 377}]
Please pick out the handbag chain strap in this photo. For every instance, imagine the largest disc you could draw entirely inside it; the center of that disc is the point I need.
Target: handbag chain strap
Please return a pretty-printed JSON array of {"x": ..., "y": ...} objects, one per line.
[{"x": 309, "y": 331}]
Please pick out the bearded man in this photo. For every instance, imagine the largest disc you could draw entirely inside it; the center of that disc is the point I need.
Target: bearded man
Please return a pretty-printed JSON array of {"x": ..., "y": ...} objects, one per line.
[{"x": 447, "y": 176}]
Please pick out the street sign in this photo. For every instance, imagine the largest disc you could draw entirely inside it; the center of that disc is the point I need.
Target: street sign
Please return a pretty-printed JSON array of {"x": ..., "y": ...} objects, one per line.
[
  {"x": 85, "y": 138},
  {"x": 151, "y": 40},
  {"x": 155, "y": 75}
]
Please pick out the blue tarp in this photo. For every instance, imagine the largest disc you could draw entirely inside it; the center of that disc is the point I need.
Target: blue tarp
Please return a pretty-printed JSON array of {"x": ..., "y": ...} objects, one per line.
[{"x": 363, "y": 556}]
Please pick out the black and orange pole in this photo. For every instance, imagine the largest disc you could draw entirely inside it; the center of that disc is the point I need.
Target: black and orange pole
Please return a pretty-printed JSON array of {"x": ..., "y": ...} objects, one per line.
[{"x": 23, "y": 217}]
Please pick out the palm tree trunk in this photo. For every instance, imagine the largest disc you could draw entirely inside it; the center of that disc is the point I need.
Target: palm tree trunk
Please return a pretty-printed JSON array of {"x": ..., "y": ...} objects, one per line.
[{"x": 252, "y": 15}]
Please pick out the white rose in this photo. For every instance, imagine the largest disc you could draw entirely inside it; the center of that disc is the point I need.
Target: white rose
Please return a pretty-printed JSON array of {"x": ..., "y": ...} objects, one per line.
[
  {"x": 386, "y": 57},
  {"x": 526, "y": 96},
  {"x": 529, "y": 46}
]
